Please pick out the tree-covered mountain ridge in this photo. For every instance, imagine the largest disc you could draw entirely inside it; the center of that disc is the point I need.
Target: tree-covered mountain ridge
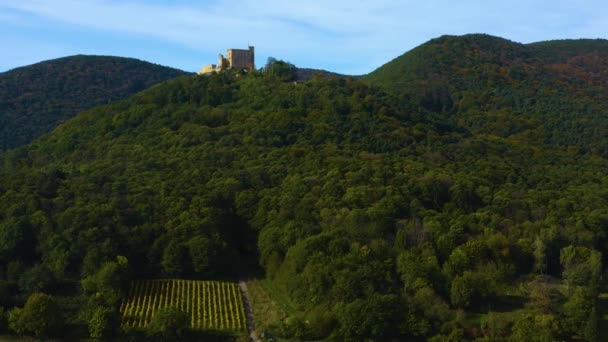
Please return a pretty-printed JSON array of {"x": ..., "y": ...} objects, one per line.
[
  {"x": 369, "y": 212},
  {"x": 481, "y": 82},
  {"x": 34, "y": 99}
]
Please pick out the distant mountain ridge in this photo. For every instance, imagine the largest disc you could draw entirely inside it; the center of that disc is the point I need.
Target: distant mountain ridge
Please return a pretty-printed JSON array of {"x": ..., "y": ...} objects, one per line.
[
  {"x": 305, "y": 74},
  {"x": 562, "y": 49},
  {"x": 479, "y": 80},
  {"x": 34, "y": 99}
]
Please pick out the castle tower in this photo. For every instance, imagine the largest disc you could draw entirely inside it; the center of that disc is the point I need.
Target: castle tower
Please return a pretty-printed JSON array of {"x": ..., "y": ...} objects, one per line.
[
  {"x": 222, "y": 62},
  {"x": 235, "y": 59},
  {"x": 252, "y": 56},
  {"x": 240, "y": 59}
]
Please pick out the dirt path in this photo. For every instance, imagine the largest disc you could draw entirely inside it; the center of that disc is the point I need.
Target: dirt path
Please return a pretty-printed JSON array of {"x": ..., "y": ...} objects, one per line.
[{"x": 248, "y": 312}]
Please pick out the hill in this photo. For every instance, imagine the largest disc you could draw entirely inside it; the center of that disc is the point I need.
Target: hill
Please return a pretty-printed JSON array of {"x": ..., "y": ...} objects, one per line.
[
  {"x": 483, "y": 82},
  {"x": 560, "y": 51},
  {"x": 369, "y": 213},
  {"x": 306, "y": 74},
  {"x": 34, "y": 99}
]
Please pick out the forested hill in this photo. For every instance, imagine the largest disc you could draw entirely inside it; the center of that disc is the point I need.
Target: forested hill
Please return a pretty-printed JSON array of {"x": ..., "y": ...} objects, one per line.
[
  {"x": 370, "y": 214},
  {"x": 305, "y": 74},
  {"x": 494, "y": 86},
  {"x": 34, "y": 99}
]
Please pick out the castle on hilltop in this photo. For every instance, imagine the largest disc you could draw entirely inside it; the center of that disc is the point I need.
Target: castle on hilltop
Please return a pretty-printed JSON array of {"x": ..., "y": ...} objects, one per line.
[{"x": 235, "y": 59}]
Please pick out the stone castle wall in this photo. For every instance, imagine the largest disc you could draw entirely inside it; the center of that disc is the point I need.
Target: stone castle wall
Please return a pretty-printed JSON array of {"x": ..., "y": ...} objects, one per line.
[
  {"x": 207, "y": 69},
  {"x": 241, "y": 59},
  {"x": 235, "y": 59}
]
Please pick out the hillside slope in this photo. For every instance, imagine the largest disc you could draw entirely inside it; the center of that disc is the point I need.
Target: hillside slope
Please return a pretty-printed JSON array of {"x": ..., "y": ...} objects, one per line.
[
  {"x": 306, "y": 74},
  {"x": 494, "y": 86},
  {"x": 454, "y": 205},
  {"x": 370, "y": 219},
  {"x": 34, "y": 99}
]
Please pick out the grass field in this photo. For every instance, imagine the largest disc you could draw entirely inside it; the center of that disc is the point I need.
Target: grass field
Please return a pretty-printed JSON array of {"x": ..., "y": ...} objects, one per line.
[
  {"x": 266, "y": 311},
  {"x": 212, "y": 305}
]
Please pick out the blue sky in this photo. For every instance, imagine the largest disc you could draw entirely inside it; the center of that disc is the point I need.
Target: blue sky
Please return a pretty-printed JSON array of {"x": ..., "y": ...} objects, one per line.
[{"x": 352, "y": 37}]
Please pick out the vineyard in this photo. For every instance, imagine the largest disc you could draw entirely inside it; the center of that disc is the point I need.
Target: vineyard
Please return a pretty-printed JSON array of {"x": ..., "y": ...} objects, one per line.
[{"x": 212, "y": 305}]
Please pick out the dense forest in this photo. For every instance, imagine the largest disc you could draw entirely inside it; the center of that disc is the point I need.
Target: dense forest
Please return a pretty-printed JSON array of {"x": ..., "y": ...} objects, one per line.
[
  {"x": 36, "y": 98},
  {"x": 457, "y": 193},
  {"x": 489, "y": 85}
]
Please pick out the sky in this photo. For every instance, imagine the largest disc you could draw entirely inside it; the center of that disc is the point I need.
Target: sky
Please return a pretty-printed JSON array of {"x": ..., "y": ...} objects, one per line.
[{"x": 351, "y": 37}]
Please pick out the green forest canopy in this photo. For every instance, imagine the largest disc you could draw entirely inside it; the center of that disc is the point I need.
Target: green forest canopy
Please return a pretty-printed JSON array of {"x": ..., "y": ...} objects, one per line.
[
  {"x": 37, "y": 98},
  {"x": 378, "y": 211}
]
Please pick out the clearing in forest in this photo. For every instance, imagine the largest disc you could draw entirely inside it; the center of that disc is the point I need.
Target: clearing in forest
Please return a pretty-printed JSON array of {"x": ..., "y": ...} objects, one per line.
[{"x": 212, "y": 305}]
